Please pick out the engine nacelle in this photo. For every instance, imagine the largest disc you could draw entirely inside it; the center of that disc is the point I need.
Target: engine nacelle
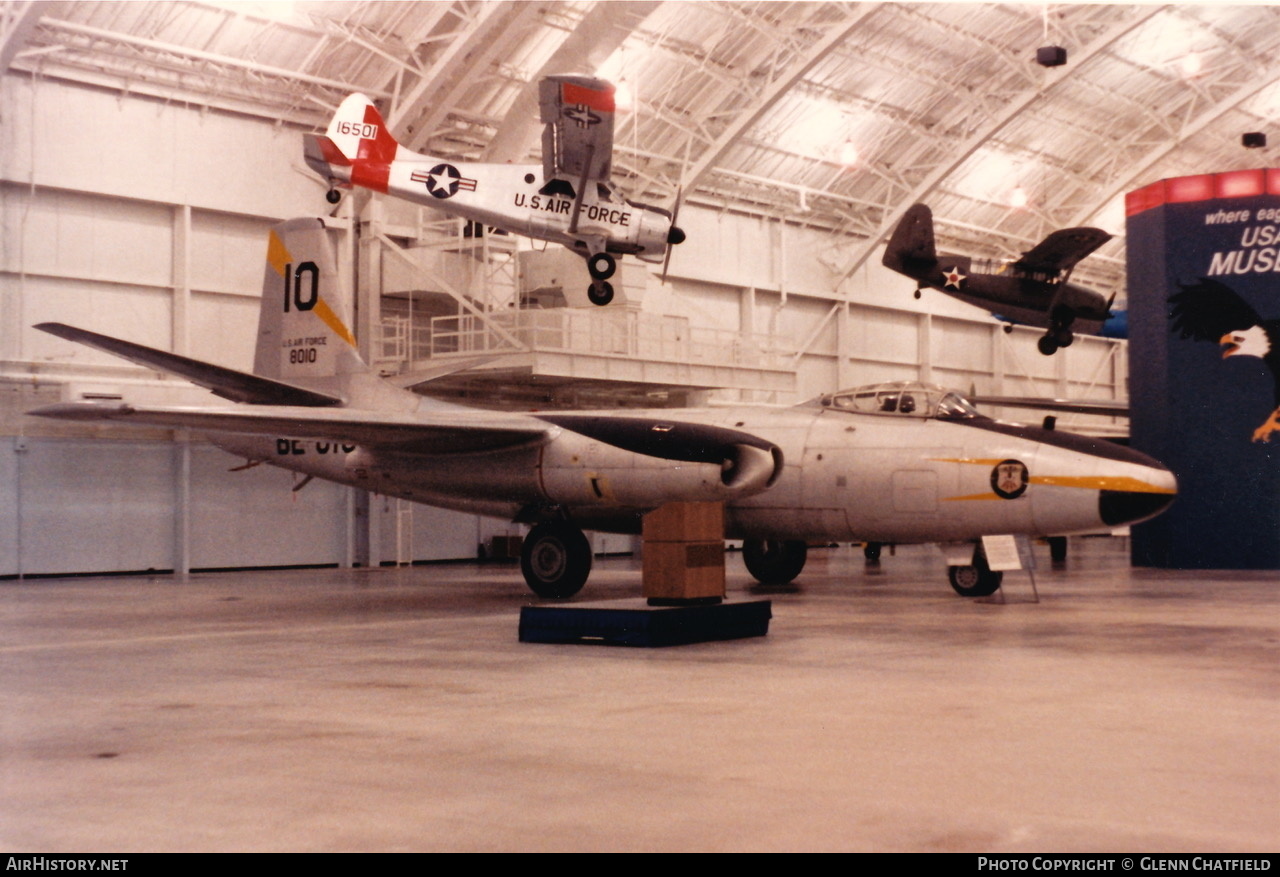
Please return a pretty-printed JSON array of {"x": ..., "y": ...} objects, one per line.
[{"x": 624, "y": 462}]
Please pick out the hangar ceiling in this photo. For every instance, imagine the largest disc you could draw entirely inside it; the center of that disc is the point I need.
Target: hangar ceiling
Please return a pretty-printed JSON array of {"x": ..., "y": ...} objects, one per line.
[{"x": 834, "y": 115}]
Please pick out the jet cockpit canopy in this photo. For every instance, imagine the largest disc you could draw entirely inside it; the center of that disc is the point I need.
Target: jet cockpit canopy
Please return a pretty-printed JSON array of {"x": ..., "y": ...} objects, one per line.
[{"x": 903, "y": 398}]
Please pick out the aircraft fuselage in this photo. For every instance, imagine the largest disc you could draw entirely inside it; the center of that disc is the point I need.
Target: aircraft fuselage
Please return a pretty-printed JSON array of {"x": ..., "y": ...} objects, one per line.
[
  {"x": 841, "y": 476},
  {"x": 1025, "y": 297},
  {"x": 515, "y": 198}
]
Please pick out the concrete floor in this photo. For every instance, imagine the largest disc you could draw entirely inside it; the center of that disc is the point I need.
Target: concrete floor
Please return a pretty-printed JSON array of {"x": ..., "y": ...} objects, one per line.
[{"x": 1129, "y": 711}]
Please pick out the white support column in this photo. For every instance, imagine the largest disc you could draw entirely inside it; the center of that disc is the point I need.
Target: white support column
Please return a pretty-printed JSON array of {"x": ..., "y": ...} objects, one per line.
[
  {"x": 924, "y": 346},
  {"x": 367, "y": 295},
  {"x": 844, "y": 336},
  {"x": 180, "y": 341},
  {"x": 747, "y": 327},
  {"x": 999, "y": 342},
  {"x": 181, "y": 307},
  {"x": 182, "y": 503}
]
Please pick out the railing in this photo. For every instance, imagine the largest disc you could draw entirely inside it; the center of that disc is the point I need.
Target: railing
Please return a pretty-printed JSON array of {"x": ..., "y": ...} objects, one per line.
[{"x": 616, "y": 333}]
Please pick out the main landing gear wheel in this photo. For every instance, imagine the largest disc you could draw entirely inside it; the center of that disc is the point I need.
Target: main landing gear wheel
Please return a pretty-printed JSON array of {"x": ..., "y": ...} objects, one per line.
[
  {"x": 601, "y": 266},
  {"x": 555, "y": 560},
  {"x": 600, "y": 292},
  {"x": 333, "y": 196},
  {"x": 1059, "y": 334},
  {"x": 976, "y": 579},
  {"x": 773, "y": 561}
]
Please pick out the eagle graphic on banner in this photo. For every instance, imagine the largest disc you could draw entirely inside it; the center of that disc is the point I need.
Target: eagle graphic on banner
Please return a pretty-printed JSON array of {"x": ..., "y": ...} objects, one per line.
[{"x": 1211, "y": 311}]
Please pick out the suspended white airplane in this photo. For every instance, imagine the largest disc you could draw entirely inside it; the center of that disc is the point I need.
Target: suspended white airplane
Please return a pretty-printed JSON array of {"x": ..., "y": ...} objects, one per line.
[
  {"x": 568, "y": 200},
  {"x": 897, "y": 463}
]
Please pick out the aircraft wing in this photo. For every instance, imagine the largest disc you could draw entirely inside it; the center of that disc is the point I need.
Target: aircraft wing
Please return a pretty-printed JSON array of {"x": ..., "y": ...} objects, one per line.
[
  {"x": 407, "y": 432},
  {"x": 1071, "y": 406},
  {"x": 1062, "y": 249},
  {"x": 577, "y": 137},
  {"x": 225, "y": 382}
]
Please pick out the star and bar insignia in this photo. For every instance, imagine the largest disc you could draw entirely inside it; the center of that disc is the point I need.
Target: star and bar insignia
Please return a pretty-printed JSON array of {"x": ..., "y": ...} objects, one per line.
[
  {"x": 581, "y": 115},
  {"x": 443, "y": 181}
]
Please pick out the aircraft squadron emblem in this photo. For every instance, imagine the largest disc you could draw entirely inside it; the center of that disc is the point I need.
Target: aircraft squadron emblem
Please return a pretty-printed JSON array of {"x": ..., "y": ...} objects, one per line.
[{"x": 1009, "y": 479}]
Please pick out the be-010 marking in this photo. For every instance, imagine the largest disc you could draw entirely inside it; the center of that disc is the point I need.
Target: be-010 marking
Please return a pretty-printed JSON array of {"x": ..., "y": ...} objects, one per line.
[{"x": 297, "y": 448}]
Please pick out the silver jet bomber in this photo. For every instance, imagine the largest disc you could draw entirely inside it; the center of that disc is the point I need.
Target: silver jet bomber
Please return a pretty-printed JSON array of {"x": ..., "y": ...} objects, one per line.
[{"x": 895, "y": 463}]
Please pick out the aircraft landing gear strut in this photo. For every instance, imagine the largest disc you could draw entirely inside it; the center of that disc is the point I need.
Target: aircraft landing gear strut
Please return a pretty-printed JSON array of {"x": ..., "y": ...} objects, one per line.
[
  {"x": 555, "y": 560},
  {"x": 1059, "y": 334},
  {"x": 773, "y": 561},
  {"x": 601, "y": 266}
]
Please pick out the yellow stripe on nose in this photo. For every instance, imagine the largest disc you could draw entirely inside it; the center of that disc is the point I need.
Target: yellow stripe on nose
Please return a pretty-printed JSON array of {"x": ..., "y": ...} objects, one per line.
[{"x": 1124, "y": 483}]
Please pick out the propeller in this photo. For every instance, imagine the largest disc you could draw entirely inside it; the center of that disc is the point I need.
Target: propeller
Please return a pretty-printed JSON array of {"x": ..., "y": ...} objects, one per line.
[{"x": 676, "y": 234}]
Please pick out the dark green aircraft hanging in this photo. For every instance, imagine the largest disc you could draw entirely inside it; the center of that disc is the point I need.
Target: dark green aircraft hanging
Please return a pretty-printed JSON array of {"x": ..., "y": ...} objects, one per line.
[{"x": 1032, "y": 290}]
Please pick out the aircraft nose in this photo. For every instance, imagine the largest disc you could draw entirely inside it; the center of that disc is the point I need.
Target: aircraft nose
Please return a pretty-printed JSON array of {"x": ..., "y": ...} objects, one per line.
[
  {"x": 1129, "y": 506},
  {"x": 676, "y": 235}
]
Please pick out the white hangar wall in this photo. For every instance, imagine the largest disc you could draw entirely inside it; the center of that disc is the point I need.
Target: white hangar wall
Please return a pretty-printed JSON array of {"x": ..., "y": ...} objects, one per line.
[
  {"x": 756, "y": 275},
  {"x": 146, "y": 220}
]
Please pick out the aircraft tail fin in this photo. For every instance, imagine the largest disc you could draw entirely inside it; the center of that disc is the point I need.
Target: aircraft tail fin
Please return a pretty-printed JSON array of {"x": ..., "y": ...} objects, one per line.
[
  {"x": 911, "y": 247},
  {"x": 357, "y": 148},
  {"x": 577, "y": 138},
  {"x": 304, "y": 335}
]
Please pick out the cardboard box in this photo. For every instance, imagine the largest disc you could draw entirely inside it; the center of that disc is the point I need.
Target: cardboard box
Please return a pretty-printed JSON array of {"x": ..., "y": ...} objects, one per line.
[
  {"x": 683, "y": 570},
  {"x": 685, "y": 522}
]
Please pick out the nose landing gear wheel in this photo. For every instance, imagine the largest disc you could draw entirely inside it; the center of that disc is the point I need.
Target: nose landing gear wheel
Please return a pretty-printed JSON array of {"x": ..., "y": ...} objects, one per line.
[{"x": 975, "y": 580}]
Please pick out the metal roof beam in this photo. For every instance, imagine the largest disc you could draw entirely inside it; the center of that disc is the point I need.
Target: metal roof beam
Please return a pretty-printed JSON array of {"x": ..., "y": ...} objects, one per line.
[
  {"x": 600, "y": 33},
  {"x": 1136, "y": 169},
  {"x": 981, "y": 137},
  {"x": 465, "y": 60},
  {"x": 769, "y": 96},
  {"x": 94, "y": 33},
  {"x": 17, "y": 20}
]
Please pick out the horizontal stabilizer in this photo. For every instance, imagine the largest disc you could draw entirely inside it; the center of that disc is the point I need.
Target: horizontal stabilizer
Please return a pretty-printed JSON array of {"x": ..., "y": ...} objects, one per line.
[
  {"x": 407, "y": 432},
  {"x": 421, "y": 377},
  {"x": 225, "y": 382}
]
